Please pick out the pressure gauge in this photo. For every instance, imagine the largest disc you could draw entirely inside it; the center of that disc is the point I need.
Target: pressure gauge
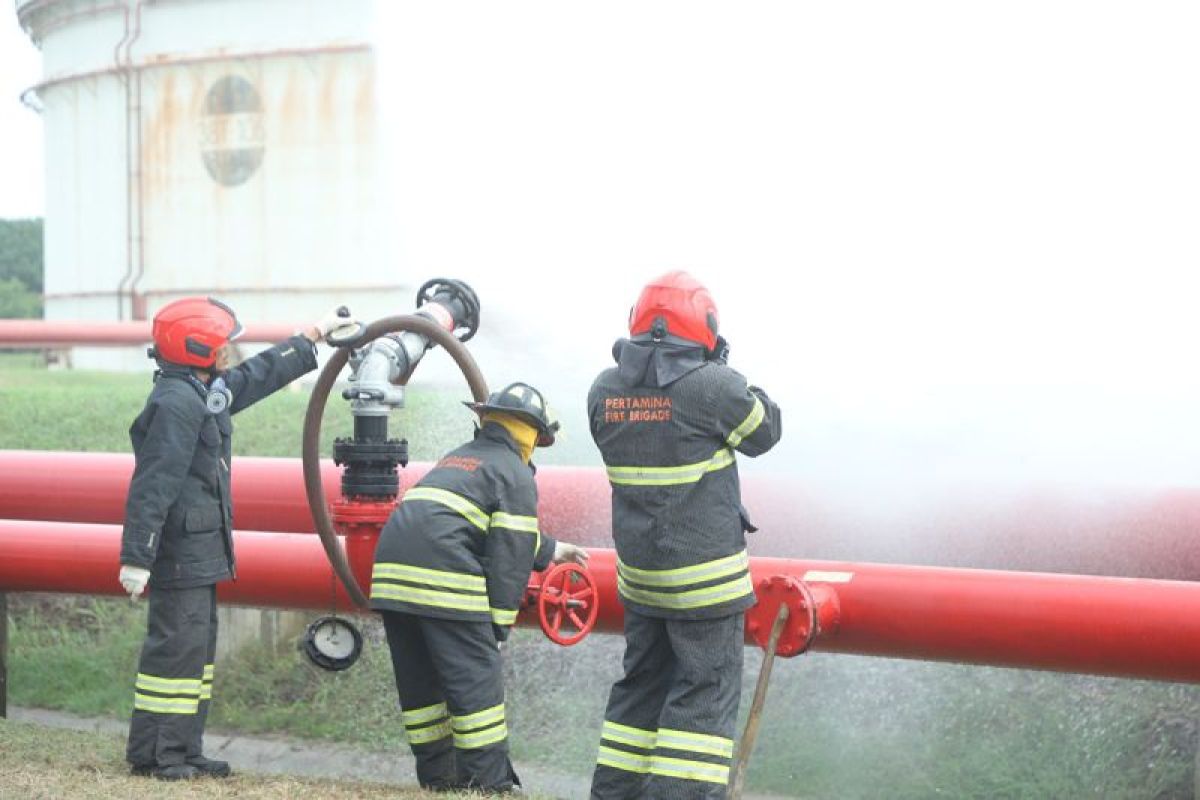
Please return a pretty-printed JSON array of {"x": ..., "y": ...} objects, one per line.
[{"x": 332, "y": 643}]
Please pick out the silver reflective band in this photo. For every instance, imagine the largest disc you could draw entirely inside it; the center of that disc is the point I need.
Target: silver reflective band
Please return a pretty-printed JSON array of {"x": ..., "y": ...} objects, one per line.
[
  {"x": 619, "y": 759},
  {"x": 426, "y": 714},
  {"x": 462, "y": 505},
  {"x": 686, "y": 576},
  {"x": 695, "y": 742},
  {"x": 670, "y": 476},
  {"x": 470, "y": 741},
  {"x": 429, "y": 597},
  {"x": 488, "y": 716},
  {"x": 689, "y": 770},
  {"x": 624, "y": 734},
  {"x": 434, "y": 577},
  {"x": 503, "y": 616},
  {"x": 749, "y": 424},
  {"x": 515, "y": 522},
  {"x": 166, "y": 705},
  {"x": 433, "y": 733},
  {"x": 696, "y": 598},
  {"x": 152, "y": 683}
]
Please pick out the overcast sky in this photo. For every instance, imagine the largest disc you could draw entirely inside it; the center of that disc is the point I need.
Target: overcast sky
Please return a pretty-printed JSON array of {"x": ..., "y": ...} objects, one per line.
[{"x": 969, "y": 228}]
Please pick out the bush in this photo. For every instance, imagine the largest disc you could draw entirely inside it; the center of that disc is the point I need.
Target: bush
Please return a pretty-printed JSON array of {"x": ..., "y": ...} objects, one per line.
[{"x": 17, "y": 301}]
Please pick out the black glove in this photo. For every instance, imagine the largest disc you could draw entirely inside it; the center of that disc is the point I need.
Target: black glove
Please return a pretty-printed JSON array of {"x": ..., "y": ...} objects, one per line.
[
  {"x": 719, "y": 352},
  {"x": 500, "y": 632}
]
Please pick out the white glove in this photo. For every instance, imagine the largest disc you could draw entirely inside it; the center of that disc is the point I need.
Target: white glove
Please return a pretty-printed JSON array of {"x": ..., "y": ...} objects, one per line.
[
  {"x": 337, "y": 317},
  {"x": 133, "y": 580},
  {"x": 565, "y": 551}
]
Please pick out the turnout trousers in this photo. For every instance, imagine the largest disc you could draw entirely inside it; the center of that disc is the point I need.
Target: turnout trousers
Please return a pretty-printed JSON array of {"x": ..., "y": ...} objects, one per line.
[
  {"x": 450, "y": 679},
  {"x": 174, "y": 680},
  {"x": 669, "y": 727}
]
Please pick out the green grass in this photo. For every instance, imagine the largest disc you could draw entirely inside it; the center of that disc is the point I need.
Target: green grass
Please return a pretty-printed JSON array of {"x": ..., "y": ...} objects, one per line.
[
  {"x": 854, "y": 727},
  {"x": 80, "y": 410},
  {"x": 66, "y": 652},
  {"x": 38, "y": 762},
  {"x": 835, "y": 726},
  {"x": 91, "y": 411}
]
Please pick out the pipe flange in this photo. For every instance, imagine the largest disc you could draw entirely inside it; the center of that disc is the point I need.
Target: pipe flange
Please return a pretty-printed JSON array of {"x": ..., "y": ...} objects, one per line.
[{"x": 801, "y": 626}]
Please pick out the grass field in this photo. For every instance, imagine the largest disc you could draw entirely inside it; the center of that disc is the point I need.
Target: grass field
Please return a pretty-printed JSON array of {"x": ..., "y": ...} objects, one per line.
[
  {"x": 38, "y": 763},
  {"x": 835, "y": 726}
]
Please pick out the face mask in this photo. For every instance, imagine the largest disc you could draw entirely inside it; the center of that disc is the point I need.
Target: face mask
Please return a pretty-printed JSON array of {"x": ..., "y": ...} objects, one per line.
[{"x": 524, "y": 434}]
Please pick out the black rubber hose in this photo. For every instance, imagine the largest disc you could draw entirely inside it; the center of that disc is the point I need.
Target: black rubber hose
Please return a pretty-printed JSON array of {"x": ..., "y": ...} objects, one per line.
[{"x": 311, "y": 442}]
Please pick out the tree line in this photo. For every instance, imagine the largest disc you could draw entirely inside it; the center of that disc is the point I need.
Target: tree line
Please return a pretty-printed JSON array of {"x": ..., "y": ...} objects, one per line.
[{"x": 21, "y": 268}]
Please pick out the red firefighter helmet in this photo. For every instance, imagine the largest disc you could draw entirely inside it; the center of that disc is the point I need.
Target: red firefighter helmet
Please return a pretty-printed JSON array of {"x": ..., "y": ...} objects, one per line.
[
  {"x": 682, "y": 303},
  {"x": 191, "y": 330}
]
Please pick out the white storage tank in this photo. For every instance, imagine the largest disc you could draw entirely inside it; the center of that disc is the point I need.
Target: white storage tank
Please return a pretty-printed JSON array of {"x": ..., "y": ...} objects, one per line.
[{"x": 222, "y": 147}]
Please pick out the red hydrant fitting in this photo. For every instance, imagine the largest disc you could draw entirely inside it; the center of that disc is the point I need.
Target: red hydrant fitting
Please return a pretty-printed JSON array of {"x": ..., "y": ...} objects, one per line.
[
  {"x": 565, "y": 597},
  {"x": 812, "y": 610}
]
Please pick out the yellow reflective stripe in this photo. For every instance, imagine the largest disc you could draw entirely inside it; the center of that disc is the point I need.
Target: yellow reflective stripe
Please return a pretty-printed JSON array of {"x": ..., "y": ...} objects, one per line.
[
  {"x": 637, "y": 737},
  {"x": 619, "y": 759},
  {"x": 206, "y": 683},
  {"x": 433, "y": 577},
  {"x": 458, "y": 503},
  {"x": 515, "y": 522},
  {"x": 658, "y": 476},
  {"x": 696, "y": 598},
  {"x": 166, "y": 705},
  {"x": 504, "y": 616},
  {"x": 690, "y": 770},
  {"x": 431, "y": 734},
  {"x": 696, "y": 742},
  {"x": 749, "y": 424},
  {"x": 428, "y": 597},
  {"x": 152, "y": 683},
  {"x": 426, "y": 714},
  {"x": 670, "y": 476},
  {"x": 479, "y": 718},
  {"x": 467, "y": 741},
  {"x": 721, "y": 459},
  {"x": 684, "y": 576}
]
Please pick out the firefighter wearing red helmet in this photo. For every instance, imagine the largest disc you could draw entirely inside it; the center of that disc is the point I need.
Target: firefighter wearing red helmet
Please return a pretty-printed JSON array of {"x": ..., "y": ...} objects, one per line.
[
  {"x": 177, "y": 536},
  {"x": 667, "y": 420},
  {"x": 450, "y": 571}
]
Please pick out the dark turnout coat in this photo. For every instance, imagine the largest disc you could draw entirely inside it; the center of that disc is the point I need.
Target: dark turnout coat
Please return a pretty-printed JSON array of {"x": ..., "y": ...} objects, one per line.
[
  {"x": 464, "y": 539},
  {"x": 178, "y": 514},
  {"x": 667, "y": 423}
]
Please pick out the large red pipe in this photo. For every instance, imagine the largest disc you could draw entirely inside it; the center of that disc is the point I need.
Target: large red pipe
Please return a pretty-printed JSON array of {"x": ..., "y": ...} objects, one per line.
[
  {"x": 1106, "y": 626},
  {"x": 1146, "y": 533},
  {"x": 268, "y": 493},
  {"x": 51, "y": 333}
]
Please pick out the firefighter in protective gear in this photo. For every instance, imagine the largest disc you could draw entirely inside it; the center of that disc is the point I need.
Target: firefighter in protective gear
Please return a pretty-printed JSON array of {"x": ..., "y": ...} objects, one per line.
[
  {"x": 450, "y": 572},
  {"x": 667, "y": 420},
  {"x": 177, "y": 536}
]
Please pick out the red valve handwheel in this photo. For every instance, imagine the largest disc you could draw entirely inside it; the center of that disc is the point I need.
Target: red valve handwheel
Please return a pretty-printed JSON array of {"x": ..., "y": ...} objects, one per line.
[{"x": 567, "y": 596}]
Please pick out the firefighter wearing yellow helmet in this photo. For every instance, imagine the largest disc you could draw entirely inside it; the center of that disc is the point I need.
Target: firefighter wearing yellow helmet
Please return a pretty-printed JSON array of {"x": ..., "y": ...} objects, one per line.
[{"x": 450, "y": 572}]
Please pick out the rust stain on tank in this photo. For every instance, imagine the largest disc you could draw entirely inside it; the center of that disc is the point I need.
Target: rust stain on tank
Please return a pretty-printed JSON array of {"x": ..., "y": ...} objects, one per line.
[
  {"x": 161, "y": 133},
  {"x": 327, "y": 106},
  {"x": 294, "y": 114},
  {"x": 364, "y": 99}
]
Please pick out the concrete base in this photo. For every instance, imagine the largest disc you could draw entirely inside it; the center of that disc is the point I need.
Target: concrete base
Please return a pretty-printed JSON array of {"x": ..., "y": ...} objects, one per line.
[{"x": 274, "y": 628}]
